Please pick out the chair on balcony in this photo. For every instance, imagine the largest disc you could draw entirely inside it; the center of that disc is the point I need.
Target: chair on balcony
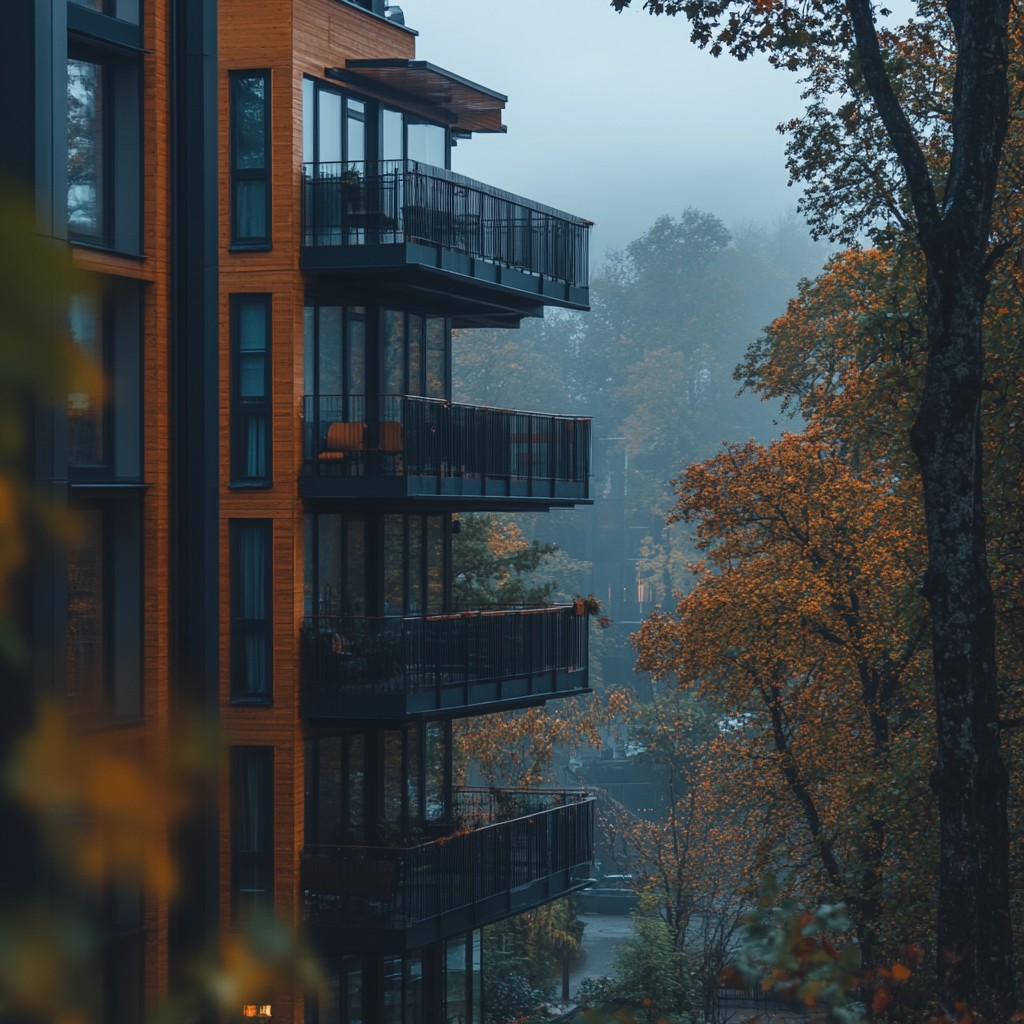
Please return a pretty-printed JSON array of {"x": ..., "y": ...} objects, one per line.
[{"x": 344, "y": 440}]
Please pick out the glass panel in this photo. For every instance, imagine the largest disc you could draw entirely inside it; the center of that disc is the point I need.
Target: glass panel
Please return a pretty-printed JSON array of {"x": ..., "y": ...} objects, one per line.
[
  {"x": 86, "y": 617},
  {"x": 436, "y": 340},
  {"x": 329, "y": 565},
  {"x": 250, "y": 122},
  {"x": 435, "y": 565},
  {"x": 86, "y": 126},
  {"x": 330, "y": 792},
  {"x": 477, "y": 978},
  {"x": 412, "y": 775},
  {"x": 394, "y": 785},
  {"x": 250, "y": 209},
  {"x": 394, "y": 352},
  {"x": 414, "y": 596},
  {"x": 308, "y": 116},
  {"x": 309, "y": 350},
  {"x": 355, "y": 790},
  {"x": 357, "y": 350},
  {"x": 355, "y": 575},
  {"x": 392, "y": 990},
  {"x": 414, "y": 988},
  {"x": 332, "y": 381},
  {"x": 455, "y": 979},
  {"x": 252, "y": 807},
  {"x": 329, "y": 127},
  {"x": 251, "y": 642},
  {"x": 426, "y": 143},
  {"x": 392, "y": 144},
  {"x": 254, "y": 442},
  {"x": 354, "y": 991},
  {"x": 86, "y": 440},
  {"x": 309, "y": 524},
  {"x": 414, "y": 343},
  {"x": 355, "y": 131},
  {"x": 434, "y": 788},
  {"x": 394, "y": 551}
]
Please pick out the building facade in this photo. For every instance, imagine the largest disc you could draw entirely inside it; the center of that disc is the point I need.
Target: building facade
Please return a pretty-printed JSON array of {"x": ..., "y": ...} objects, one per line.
[{"x": 262, "y": 195}]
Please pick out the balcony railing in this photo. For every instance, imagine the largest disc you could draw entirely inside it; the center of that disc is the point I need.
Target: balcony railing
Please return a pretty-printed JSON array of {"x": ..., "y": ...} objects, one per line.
[
  {"x": 436, "y": 447},
  {"x": 390, "y": 201},
  {"x": 461, "y": 881},
  {"x": 356, "y": 667}
]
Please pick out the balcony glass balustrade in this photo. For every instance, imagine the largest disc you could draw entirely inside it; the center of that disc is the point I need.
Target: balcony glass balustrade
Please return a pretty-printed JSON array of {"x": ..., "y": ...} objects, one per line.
[
  {"x": 393, "y": 446},
  {"x": 396, "y": 667},
  {"x": 510, "y": 851}
]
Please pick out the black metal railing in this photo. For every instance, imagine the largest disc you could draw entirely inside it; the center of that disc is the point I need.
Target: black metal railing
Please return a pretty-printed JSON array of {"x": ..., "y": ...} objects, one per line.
[
  {"x": 352, "y": 886},
  {"x": 388, "y": 201},
  {"x": 401, "y": 435},
  {"x": 414, "y": 654}
]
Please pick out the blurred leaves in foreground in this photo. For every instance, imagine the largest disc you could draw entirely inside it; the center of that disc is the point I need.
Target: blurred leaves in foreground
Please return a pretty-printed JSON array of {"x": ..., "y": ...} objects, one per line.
[{"x": 104, "y": 804}]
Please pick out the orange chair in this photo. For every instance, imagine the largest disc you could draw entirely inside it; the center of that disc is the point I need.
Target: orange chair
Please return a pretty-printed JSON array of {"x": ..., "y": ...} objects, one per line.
[{"x": 342, "y": 439}]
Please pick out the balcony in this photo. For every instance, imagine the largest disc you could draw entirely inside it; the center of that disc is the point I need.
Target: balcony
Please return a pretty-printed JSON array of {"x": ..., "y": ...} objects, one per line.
[
  {"x": 517, "y": 851},
  {"x": 405, "y": 229},
  {"x": 396, "y": 668},
  {"x": 394, "y": 447}
]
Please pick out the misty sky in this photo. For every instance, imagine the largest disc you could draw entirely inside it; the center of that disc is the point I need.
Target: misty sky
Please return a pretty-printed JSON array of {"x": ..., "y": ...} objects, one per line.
[{"x": 614, "y": 117}]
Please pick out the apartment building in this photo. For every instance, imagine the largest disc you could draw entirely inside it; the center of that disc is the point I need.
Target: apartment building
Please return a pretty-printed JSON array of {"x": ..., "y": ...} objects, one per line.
[{"x": 263, "y": 196}]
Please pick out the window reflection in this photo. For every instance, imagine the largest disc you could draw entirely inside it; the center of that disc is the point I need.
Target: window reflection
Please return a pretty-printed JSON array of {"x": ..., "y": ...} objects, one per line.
[
  {"x": 86, "y": 144},
  {"x": 86, "y": 664},
  {"x": 86, "y": 428}
]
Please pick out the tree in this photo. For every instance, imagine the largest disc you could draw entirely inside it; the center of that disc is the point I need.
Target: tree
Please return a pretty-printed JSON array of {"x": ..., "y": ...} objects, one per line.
[{"x": 950, "y": 212}]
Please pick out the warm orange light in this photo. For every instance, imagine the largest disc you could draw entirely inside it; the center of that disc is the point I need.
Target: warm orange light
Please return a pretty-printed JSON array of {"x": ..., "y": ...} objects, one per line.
[
  {"x": 249, "y": 1010},
  {"x": 264, "y": 1010}
]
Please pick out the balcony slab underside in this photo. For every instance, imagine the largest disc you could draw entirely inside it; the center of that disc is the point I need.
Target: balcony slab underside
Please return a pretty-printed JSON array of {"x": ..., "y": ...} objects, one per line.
[
  {"x": 452, "y": 493},
  {"x": 478, "y": 697},
  {"x": 359, "y": 900},
  {"x": 474, "y": 292}
]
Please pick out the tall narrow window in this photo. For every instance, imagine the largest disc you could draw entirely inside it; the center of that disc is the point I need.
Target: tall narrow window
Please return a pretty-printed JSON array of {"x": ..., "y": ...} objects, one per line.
[
  {"x": 87, "y": 427},
  {"x": 87, "y": 150},
  {"x": 251, "y": 603},
  {"x": 252, "y": 830},
  {"x": 250, "y": 159},
  {"x": 250, "y": 389}
]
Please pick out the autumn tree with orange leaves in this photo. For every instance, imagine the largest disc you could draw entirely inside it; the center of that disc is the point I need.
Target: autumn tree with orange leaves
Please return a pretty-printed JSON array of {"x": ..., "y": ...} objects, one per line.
[{"x": 907, "y": 139}]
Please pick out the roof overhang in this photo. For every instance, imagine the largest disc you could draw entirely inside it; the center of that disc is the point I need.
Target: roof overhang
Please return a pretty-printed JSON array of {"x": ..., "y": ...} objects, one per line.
[{"x": 463, "y": 105}]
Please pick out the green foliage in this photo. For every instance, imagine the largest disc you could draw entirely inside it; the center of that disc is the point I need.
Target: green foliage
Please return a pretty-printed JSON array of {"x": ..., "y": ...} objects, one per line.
[
  {"x": 651, "y": 979},
  {"x": 493, "y": 564}
]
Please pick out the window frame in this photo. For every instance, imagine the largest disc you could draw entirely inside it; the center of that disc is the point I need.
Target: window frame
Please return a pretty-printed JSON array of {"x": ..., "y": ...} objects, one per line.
[
  {"x": 240, "y": 175},
  {"x": 259, "y": 862},
  {"x": 119, "y": 162},
  {"x": 244, "y": 628},
  {"x": 243, "y": 407}
]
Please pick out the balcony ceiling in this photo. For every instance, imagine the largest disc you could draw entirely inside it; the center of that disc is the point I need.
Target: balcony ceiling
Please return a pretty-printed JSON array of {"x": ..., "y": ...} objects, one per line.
[{"x": 466, "y": 106}]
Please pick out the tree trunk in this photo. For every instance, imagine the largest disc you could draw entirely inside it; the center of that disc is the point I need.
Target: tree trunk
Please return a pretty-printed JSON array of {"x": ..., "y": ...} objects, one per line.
[{"x": 975, "y": 943}]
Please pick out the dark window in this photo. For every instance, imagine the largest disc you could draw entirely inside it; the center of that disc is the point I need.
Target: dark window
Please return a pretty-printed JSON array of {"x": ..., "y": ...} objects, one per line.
[
  {"x": 103, "y": 666},
  {"x": 252, "y": 831},
  {"x": 250, "y": 159},
  {"x": 124, "y": 10},
  {"x": 104, "y": 424},
  {"x": 251, "y": 603},
  {"x": 250, "y": 389},
  {"x": 104, "y": 183}
]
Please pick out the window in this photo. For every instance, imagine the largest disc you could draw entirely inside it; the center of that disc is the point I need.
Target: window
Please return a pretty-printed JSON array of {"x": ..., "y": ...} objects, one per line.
[
  {"x": 251, "y": 603},
  {"x": 250, "y": 389},
  {"x": 103, "y": 662},
  {"x": 104, "y": 429},
  {"x": 124, "y": 10},
  {"x": 252, "y": 831},
  {"x": 104, "y": 176},
  {"x": 250, "y": 159}
]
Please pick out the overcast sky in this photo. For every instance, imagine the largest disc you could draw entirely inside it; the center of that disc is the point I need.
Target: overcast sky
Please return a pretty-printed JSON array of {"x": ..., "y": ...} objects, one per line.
[{"x": 614, "y": 117}]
